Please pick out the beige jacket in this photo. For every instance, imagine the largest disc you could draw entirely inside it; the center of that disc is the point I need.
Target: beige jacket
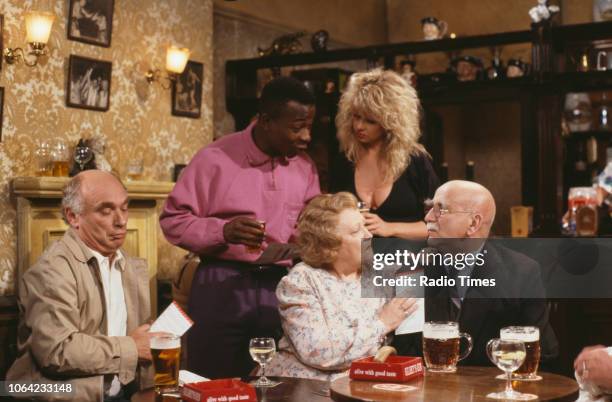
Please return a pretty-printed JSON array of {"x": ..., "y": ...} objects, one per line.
[{"x": 62, "y": 328}]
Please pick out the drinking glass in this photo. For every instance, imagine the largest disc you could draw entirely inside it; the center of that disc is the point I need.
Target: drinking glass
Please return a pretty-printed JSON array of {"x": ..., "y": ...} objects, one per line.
[
  {"x": 257, "y": 249},
  {"x": 82, "y": 156},
  {"x": 441, "y": 345},
  {"x": 43, "y": 159},
  {"x": 166, "y": 352},
  {"x": 262, "y": 350},
  {"x": 363, "y": 206},
  {"x": 531, "y": 338},
  {"x": 60, "y": 156},
  {"x": 508, "y": 355},
  {"x": 135, "y": 169}
]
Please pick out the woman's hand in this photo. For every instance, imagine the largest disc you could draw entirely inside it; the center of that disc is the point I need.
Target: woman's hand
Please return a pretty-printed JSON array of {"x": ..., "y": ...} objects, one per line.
[
  {"x": 376, "y": 225},
  {"x": 395, "y": 311}
]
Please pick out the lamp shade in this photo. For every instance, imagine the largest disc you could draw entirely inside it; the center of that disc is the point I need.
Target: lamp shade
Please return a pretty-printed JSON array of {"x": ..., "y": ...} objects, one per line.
[
  {"x": 176, "y": 59},
  {"x": 38, "y": 26}
]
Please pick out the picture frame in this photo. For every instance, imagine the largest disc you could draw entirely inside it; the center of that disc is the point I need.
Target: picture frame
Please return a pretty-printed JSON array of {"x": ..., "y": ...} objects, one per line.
[
  {"x": 89, "y": 83},
  {"x": 1, "y": 38},
  {"x": 91, "y": 21},
  {"x": 1, "y": 110},
  {"x": 187, "y": 91}
]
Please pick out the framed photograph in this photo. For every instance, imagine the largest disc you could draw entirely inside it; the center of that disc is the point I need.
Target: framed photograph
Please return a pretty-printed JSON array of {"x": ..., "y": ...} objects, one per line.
[
  {"x": 89, "y": 83},
  {"x": 187, "y": 91},
  {"x": 91, "y": 21},
  {"x": 1, "y": 110},
  {"x": 1, "y": 36}
]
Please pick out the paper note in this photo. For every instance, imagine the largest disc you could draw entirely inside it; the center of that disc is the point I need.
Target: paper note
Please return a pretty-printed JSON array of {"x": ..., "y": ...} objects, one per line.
[
  {"x": 173, "y": 320},
  {"x": 414, "y": 322},
  {"x": 187, "y": 377},
  {"x": 276, "y": 252}
]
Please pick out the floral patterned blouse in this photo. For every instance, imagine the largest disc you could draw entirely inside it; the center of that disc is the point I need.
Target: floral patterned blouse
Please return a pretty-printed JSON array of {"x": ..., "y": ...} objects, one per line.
[{"x": 326, "y": 325}]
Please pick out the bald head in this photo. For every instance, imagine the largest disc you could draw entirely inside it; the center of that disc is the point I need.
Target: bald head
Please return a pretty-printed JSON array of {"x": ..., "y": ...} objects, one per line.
[
  {"x": 95, "y": 205},
  {"x": 471, "y": 210}
]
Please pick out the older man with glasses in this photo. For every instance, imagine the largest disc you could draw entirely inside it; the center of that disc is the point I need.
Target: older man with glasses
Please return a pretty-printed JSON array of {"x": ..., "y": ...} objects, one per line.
[{"x": 459, "y": 220}]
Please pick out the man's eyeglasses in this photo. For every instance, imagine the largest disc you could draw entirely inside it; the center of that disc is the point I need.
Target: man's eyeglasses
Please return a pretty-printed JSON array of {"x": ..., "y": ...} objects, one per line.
[{"x": 429, "y": 205}]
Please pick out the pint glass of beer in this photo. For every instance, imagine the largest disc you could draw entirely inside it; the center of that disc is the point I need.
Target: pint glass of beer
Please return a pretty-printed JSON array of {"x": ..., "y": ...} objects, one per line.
[
  {"x": 441, "y": 346},
  {"x": 530, "y": 336},
  {"x": 166, "y": 351}
]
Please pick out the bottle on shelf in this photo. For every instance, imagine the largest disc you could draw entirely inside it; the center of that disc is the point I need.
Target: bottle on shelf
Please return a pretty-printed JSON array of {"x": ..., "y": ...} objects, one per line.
[
  {"x": 495, "y": 71},
  {"x": 469, "y": 170}
]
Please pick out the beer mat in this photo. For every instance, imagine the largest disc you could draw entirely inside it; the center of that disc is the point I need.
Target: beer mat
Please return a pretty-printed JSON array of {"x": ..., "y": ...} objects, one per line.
[
  {"x": 394, "y": 387},
  {"x": 504, "y": 377},
  {"x": 173, "y": 320},
  {"x": 276, "y": 252}
]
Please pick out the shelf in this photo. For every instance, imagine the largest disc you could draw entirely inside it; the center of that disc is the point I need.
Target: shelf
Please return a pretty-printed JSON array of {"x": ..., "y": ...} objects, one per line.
[
  {"x": 583, "y": 135},
  {"x": 52, "y": 187},
  {"x": 578, "y": 81},
  {"x": 378, "y": 51},
  {"x": 588, "y": 32},
  {"x": 453, "y": 91}
]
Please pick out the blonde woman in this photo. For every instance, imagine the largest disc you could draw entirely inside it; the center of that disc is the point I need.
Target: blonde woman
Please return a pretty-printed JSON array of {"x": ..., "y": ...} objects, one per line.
[
  {"x": 383, "y": 163},
  {"x": 326, "y": 322}
]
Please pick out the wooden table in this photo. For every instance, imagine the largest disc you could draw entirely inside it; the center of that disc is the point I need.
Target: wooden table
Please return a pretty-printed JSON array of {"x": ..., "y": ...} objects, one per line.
[
  {"x": 467, "y": 384},
  {"x": 291, "y": 390}
]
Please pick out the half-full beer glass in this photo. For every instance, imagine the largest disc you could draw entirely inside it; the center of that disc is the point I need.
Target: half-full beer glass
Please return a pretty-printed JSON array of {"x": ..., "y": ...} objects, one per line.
[
  {"x": 530, "y": 336},
  {"x": 166, "y": 351},
  {"x": 441, "y": 346}
]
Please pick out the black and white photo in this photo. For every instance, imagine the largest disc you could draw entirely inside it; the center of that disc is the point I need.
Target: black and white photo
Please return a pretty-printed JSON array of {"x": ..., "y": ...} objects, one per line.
[
  {"x": 91, "y": 21},
  {"x": 88, "y": 83},
  {"x": 187, "y": 91}
]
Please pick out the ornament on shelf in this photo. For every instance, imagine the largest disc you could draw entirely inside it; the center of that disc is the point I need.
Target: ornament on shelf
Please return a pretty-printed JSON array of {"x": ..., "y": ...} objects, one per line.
[
  {"x": 98, "y": 146},
  {"x": 542, "y": 12}
]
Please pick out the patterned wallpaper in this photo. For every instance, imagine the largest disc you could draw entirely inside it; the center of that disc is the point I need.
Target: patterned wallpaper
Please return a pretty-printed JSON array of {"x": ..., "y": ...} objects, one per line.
[{"x": 34, "y": 101}]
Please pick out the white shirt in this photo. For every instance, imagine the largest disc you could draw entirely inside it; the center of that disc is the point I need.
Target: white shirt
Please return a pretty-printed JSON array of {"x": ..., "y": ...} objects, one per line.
[{"x": 116, "y": 312}]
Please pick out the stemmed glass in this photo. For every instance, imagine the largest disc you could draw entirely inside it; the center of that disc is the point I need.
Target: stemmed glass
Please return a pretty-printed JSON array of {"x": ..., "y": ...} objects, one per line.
[
  {"x": 82, "y": 156},
  {"x": 508, "y": 355},
  {"x": 262, "y": 350}
]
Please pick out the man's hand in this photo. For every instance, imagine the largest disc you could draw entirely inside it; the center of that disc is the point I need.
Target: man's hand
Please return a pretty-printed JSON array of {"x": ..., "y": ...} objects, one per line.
[
  {"x": 142, "y": 337},
  {"x": 244, "y": 230},
  {"x": 595, "y": 365}
]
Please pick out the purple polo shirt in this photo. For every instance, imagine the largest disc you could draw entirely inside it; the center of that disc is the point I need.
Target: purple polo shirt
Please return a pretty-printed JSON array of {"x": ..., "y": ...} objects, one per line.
[{"x": 229, "y": 178}]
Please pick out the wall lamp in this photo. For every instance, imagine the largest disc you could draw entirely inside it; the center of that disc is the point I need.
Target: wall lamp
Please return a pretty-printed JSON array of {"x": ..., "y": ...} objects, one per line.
[
  {"x": 38, "y": 29},
  {"x": 176, "y": 60}
]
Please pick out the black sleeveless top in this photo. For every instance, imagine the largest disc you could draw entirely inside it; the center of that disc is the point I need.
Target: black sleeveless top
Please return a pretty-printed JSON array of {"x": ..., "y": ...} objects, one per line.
[{"x": 405, "y": 201}]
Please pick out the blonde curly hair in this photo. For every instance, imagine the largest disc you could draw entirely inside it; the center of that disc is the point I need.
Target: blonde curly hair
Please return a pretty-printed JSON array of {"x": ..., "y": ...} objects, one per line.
[
  {"x": 318, "y": 241},
  {"x": 384, "y": 96}
]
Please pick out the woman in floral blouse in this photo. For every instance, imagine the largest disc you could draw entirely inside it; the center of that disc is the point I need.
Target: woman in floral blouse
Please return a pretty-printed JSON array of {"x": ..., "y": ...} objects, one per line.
[{"x": 326, "y": 323}]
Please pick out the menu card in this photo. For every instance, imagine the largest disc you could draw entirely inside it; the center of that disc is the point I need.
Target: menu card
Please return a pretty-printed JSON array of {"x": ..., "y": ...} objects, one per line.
[{"x": 173, "y": 320}]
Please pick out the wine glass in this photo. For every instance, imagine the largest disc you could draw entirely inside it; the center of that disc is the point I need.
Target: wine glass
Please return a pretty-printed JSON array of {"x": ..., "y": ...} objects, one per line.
[
  {"x": 508, "y": 355},
  {"x": 262, "y": 350},
  {"x": 82, "y": 155}
]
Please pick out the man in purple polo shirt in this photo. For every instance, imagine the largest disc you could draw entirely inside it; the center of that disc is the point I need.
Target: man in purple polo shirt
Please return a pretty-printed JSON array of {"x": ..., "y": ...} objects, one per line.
[{"x": 216, "y": 209}]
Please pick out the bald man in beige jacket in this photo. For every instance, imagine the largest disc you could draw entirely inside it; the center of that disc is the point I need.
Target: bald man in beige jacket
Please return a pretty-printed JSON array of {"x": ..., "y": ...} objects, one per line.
[{"x": 84, "y": 303}]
